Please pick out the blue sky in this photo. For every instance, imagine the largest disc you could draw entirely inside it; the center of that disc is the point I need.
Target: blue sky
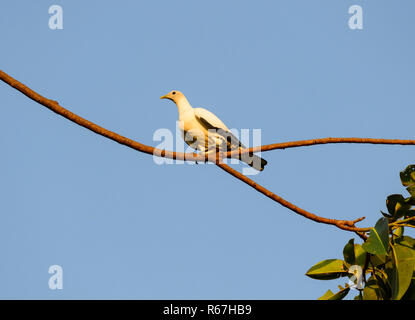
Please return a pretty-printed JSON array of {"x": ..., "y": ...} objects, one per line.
[{"x": 123, "y": 227}]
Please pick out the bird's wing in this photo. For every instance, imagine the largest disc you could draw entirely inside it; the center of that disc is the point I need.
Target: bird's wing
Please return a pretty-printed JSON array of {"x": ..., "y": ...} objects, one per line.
[{"x": 211, "y": 122}]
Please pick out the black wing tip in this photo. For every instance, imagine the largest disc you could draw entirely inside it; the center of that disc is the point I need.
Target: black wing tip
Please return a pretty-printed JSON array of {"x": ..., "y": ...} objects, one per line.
[{"x": 263, "y": 164}]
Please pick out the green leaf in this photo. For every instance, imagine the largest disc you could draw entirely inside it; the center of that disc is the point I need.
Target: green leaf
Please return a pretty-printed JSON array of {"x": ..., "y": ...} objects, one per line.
[
  {"x": 407, "y": 175},
  {"x": 354, "y": 254},
  {"x": 410, "y": 201},
  {"x": 327, "y": 270},
  {"x": 386, "y": 215},
  {"x": 397, "y": 205},
  {"x": 410, "y": 293},
  {"x": 382, "y": 282},
  {"x": 378, "y": 241},
  {"x": 408, "y": 179},
  {"x": 329, "y": 295},
  {"x": 348, "y": 252},
  {"x": 411, "y": 190},
  {"x": 398, "y": 232},
  {"x": 360, "y": 255},
  {"x": 372, "y": 291},
  {"x": 406, "y": 241},
  {"x": 391, "y": 202},
  {"x": 409, "y": 213},
  {"x": 377, "y": 260},
  {"x": 402, "y": 270}
]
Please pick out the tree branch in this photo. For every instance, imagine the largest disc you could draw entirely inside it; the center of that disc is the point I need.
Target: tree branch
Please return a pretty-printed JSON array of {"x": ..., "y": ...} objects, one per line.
[
  {"x": 342, "y": 224},
  {"x": 313, "y": 142}
]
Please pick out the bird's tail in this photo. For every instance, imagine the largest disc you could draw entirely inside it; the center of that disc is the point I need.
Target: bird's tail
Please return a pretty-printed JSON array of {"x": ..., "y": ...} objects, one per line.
[{"x": 253, "y": 161}]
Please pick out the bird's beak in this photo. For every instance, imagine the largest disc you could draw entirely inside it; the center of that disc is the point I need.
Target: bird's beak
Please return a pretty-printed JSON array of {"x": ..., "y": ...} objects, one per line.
[{"x": 164, "y": 97}]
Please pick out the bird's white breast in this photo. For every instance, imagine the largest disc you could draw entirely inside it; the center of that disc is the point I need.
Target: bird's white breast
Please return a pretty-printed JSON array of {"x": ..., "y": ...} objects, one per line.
[{"x": 193, "y": 132}]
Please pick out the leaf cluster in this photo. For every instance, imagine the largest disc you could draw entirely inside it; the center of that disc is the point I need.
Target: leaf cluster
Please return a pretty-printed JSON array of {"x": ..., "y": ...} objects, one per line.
[{"x": 383, "y": 266}]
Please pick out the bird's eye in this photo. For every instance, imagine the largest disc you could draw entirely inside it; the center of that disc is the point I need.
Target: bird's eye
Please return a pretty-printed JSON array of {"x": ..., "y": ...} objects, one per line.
[{"x": 174, "y": 92}]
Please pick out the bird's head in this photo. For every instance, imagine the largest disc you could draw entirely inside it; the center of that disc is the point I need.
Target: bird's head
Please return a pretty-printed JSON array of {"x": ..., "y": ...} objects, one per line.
[{"x": 174, "y": 96}]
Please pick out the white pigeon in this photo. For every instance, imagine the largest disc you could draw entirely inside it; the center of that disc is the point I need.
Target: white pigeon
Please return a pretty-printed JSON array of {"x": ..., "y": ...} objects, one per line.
[{"x": 204, "y": 131}]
